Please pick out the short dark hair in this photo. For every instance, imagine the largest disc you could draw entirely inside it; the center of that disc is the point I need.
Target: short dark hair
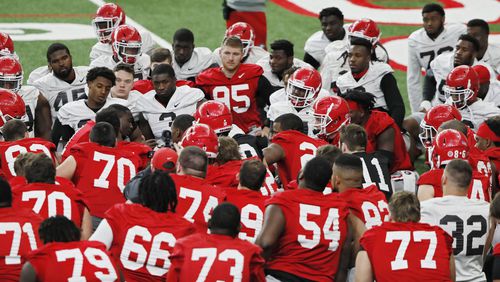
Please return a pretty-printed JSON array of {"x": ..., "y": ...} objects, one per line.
[
  {"x": 433, "y": 7},
  {"x": 479, "y": 23},
  {"x": 471, "y": 39},
  {"x": 317, "y": 173},
  {"x": 54, "y": 47},
  {"x": 157, "y": 192},
  {"x": 252, "y": 174},
  {"x": 329, "y": 152},
  {"x": 284, "y": 45},
  {"x": 40, "y": 169},
  {"x": 183, "y": 122},
  {"x": 353, "y": 136},
  {"x": 103, "y": 134},
  {"x": 102, "y": 72},
  {"x": 14, "y": 129},
  {"x": 124, "y": 67},
  {"x": 331, "y": 11},
  {"x": 348, "y": 161},
  {"x": 184, "y": 35},
  {"x": 120, "y": 110},
  {"x": 459, "y": 172},
  {"x": 109, "y": 115},
  {"x": 290, "y": 122},
  {"x": 58, "y": 229},
  {"x": 5, "y": 193},
  {"x": 164, "y": 69},
  {"x": 362, "y": 42},
  {"x": 194, "y": 158},
  {"x": 159, "y": 55},
  {"x": 364, "y": 99},
  {"x": 225, "y": 216}
]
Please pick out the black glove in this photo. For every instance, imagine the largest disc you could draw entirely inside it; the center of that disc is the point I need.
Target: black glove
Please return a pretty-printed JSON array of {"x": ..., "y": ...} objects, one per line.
[{"x": 226, "y": 10}]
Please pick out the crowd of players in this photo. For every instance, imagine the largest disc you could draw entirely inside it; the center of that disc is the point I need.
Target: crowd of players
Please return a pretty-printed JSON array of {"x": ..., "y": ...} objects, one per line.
[{"x": 242, "y": 164}]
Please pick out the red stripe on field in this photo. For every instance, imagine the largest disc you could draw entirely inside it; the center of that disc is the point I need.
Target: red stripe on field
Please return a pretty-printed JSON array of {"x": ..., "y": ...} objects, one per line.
[
  {"x": 393, "y": 64},
  {"x": 46, "y": 15},
  {"x": 445, "y": 3}
]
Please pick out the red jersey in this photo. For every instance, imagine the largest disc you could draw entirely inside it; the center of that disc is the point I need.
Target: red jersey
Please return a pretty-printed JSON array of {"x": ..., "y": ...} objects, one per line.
[
  {"x": 101, "y": 174},
  {"x": 213, "y": 257},
  {"x": 368, "y": 204},
  {"x": 73, "y": 261},
  {"x": 80, "y": 136},
  {"x": 50, "y": 199},
  {"x": 10, "y": 150},
  {"x": 146, "y": 85},
  {"x": 196, "y": 199},
  {"x": 18, "y": 237},
  {"x": 143, "y": 239},
  {"x": 299, "y": 149},
  {"x": 496, "y": 250},
  {"x": 479, "y": 161},
  {"x": 251, "y": 205},
  {"x": 140, "y": 150},
  {"x": 377, "y": 123},
  {"x": 494, "y": 155},
  {"x": 411, "y": 251},
  {"x": 224, "y": 175},
  {"x": 239, "y": 93},
  {"x": 316, "y": 228}
]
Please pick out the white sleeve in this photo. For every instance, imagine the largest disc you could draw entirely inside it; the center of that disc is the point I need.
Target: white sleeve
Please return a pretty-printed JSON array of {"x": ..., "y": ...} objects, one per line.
[
  {"x": 413, "y": 78},
  {"x": 426, "y": 214},
  {"x": 103, "y": 234}
]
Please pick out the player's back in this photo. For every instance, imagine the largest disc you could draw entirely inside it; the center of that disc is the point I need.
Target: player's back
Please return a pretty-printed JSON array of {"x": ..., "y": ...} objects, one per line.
[
  {"x": 376, "y": 171},
  {"x": 136, "y": 227},
  {"x": 409, "y": 251},
  {"x": 315, "y": 231},
  {"x": 72, "y": 261},
  {"x": 224, "y": 175},
  {"x": 368, "y": 204},
  {"x": 19, "y": 227},
  {"x": 467, "y": 221}
]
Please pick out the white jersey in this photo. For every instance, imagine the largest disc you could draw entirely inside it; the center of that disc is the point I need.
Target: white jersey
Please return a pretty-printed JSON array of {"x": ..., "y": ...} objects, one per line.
[
  {"x": 255, "y": 54},
  {"x": 100, "y": 49},
  {"x": 30, "y": 97},
  {"x": 38, "y": 73},
  {"x": 316, "y": 44},
  {"x": 477, "y": 112},
  {"x": 201, "y": 59},
  {"x": 285, "y": 107},
  {"x": 77, "y": 113},
  {"x": 133, "y": 96},
  {"x": 370, "y": 82},
  {"x": 466, "y": 220},
  {"x": 421, "y": 51},
  {"x": 141, "y": 65},
  {"x": 493, "y": 95},
  {"x": 492, "y": 57},
  {"x": 160, "y": 118},
  {"x": 58, "y": 92},
  {"x": 273, "y": 78},
  {"x": 280, "y": 95}
]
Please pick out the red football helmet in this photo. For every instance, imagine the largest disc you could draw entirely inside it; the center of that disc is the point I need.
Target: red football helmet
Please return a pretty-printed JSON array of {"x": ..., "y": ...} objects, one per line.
[
  {"x": 245, "y": 33},
  {"x": 366, "y": 29},
  {"x": 11, "y": 106},
  {"x": 127, "y": 43},
  {"x": 201, "y": 135},
  {"x": 164, "y": 159},
  {"x": 11, "y": 74},
  {"x": 462, "y": 85},
  {"x": 433, "y": 119},
  {"x": 6, "y": 45},
  {"x": 449, "y": 144},
  {"x": 107, "y": 18},
  {"x": 331, "y": 113},
  {"x": 303, "y": 87},
  {"x": 216, "y": 115}
]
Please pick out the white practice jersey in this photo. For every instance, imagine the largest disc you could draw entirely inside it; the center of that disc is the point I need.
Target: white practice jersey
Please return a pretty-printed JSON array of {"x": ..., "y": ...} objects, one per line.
[
  {"x": 492, "y": 57},
  {"x": 77, "y": 113},
  {"x": 280, "y": 95},
  {"x": 285, "y": 107},
  {"x": 421, "y": 51},
  {"x": 201, "y": 59},
  {"x": 133, "y": 96},
  {"x": 477, "y": 112},
  {"x": 316, "y": 44},
  {"x": 30, "y": 97},
  {"x": 58, "y": 92},
  {"x": 493, "y": 95},
  {"x": 255, "y": 55},
  {"x": 38, "y": 73},
  {"x": 466, "y": 220},
  {"x": 160, "y": 118},
  {"x": 100, "y": 49},
  {"x": 273, "y": 78},
  {"x": 141, "y": 66},
  {"x": 370, "y": 82}
]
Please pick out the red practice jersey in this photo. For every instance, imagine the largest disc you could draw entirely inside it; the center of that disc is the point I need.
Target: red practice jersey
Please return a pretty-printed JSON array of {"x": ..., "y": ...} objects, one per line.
[
  {"x": 411, "y": 251},
  {"x": 369, "y": 205},
  {"x": 18, "y": 237},
  {"x": 101, "y": 174},
  {"x": 213, "y": 257},
  {"x": 299, "y": 149},
  {"x": 80, "y": 136},
  {"x": 143, "y": 239},
  {"x": 238, "y": 93},
  {"x": 316, "y": 228},
  {"x": 73, "y": 261},
  {"x": 496, "y": 250},
  {"x": 494, "y": 155},
  {"x": 196, "y": 199},
  {"x": 10, "y": 150},
  {"x": 251, "y": 205},
  {"x": 140, "y": 150},
  {"x": 224, "y": 175}
]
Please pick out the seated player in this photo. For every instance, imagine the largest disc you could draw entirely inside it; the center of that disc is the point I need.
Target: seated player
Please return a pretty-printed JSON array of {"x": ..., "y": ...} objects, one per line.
[
  {"x": 7, "y": 46},
  {"x": 122, "y": 88},
  {"x": 489, "y": 89},
  {"x": 225, "y": 257},
  {"x": 406, "y": 244},
  {"x": 65, "y": 257},
  {"x": 226, "y": 166},
  {"x": 488, "y": 139},
  {"x": 331, "y": 114}
]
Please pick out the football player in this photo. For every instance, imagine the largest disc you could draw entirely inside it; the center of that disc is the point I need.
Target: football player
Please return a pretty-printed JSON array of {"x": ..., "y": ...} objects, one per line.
[
  {"x": 424, "y": 44},
  {"x": 7, "y": 46},
  {"x": 411, "y": 249},
  {"x": 489, "y": 89},
  {"x": 153, "y": 222},
  {"x": 461, "y": 217},
  {"x": 122, "y": 89},
  {"x": 65, "y": 257},
  {"x": 487, "y": 53},
  {"x": 215, "y": 250},
  {"x": 180, "y": 124},
  {"x": 37, "y": 119},
  {"x": 126, "y": 43},
  {"x": 488, "y": 139},
  {"x": 331, "y": 113},
  {"x": 190, "y": 61},
  {"x": 495, "y": 215}
]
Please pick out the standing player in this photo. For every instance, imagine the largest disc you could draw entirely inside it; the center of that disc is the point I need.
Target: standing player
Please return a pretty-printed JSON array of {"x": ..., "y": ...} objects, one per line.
[
  {"x": 411, "y": 249},
  {"x": 218, "y": 256},
  {"x": 65, "y": 258},
  {"x": 461, "y": 218},
  {"x": 424, "y": 44},
  {"x": 151, "y": 224}
]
